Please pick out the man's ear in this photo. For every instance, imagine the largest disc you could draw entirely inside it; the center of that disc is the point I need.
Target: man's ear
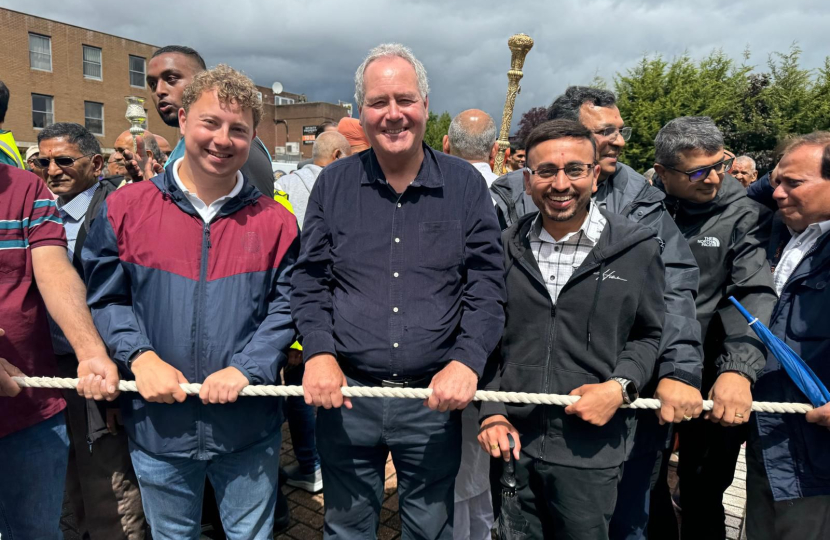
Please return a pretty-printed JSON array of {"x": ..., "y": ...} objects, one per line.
[
  {"x": 182, "y": 120},
  {"x": 660, "y": 171},
  {"x": 98, "y": 164},
  {"x": 445, "y": 144},
  {"x": 526, "y": 174},
  {"x": 337, "y": 154},
  {"x": 494, "y": 151},
  {"x": 254, "y": 137}
]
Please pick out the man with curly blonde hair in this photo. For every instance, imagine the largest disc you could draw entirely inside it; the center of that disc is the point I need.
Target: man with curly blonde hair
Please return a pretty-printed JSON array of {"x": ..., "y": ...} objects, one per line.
[{"x": 173, "y": 252}]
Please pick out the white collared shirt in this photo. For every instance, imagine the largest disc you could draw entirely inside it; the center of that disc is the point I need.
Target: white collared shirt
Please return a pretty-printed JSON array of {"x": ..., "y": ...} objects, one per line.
[
  {"x": 558, "y": 260},
  {"x": 796, "y": 249},
  {"x": 486, "y": 172},
  {"x": 207, "y": 212}
]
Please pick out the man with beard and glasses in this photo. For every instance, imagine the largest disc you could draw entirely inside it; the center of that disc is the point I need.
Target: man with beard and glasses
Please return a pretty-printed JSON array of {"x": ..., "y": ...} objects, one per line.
[
  {"x": 169, "y": 71},
  {"x": 584, "y": 314},
  {"x": 623, "y": 191}
]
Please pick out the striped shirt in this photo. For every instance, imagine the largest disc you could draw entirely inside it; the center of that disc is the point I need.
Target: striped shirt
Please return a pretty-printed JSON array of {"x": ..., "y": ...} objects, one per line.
[
  {"x": 29, "y": 219},
  {"x": 558, "y": 260}
]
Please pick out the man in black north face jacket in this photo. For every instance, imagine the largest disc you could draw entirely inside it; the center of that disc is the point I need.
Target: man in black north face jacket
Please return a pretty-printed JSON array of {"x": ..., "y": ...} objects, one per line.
[{"x": 583, "y": 317}]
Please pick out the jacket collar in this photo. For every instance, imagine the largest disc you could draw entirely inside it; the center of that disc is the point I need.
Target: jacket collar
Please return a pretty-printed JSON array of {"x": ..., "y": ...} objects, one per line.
[
  {"x": 429, "y": 175},
  {"x": 168, "y": 187}
]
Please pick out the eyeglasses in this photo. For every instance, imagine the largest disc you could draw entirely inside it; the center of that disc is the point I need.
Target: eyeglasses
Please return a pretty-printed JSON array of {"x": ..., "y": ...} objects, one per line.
[
  {"x": 573, "y": 171},
  {"x": 62, "y": 161},
  {"x": 611, "y": 132},
  {"x": 700, "y": 174}
]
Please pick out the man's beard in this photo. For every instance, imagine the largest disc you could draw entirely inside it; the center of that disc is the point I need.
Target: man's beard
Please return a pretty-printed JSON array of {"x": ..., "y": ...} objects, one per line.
[{"x": 173, "y": 121}]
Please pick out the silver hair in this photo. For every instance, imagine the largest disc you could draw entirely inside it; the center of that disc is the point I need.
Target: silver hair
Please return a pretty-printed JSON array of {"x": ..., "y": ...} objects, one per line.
[
  {"x": 468, "y": 145},
  {"x": 390, "y": 50},
  {"x": 747, "y": 158},
  {"x": 686, "y": 133}
]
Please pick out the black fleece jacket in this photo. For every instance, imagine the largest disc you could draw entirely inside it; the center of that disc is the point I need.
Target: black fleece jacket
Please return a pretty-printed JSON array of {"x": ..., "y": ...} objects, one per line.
[
  {"x": 728, "y": 237},
  {"x": 606, "y": 322}
]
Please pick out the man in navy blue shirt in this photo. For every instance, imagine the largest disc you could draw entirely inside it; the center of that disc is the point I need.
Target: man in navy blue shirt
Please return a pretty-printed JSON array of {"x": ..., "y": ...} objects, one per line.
[{"x": 399, "y": 284}]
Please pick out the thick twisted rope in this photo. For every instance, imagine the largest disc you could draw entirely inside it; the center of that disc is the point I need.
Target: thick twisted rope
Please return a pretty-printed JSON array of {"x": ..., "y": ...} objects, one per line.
[{"x": 412, "y": 393}]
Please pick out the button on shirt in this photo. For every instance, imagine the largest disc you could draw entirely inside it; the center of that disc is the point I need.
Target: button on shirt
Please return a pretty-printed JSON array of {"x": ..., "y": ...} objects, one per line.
[
  {"x": 207, "y": 211},
  {"x": 798, "y": 246},
  {"x": 558, "y": 260},
  {"x": 73, "y": 214},
  {"x": 397, "y": 285}
]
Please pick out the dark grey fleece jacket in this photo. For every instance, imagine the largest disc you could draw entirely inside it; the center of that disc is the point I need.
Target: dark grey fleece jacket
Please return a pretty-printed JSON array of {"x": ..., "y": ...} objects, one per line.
[{"x": 606, "y": 322}]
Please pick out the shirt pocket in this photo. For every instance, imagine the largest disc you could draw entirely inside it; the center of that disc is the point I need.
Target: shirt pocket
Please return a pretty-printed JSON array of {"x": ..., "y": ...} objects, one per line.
[
  {"x": 440, "y": 244},
  {"x": 810, "y": 299}
]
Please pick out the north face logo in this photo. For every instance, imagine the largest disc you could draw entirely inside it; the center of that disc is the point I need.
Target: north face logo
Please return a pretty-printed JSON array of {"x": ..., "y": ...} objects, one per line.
[{"x": 709, "y": 241}]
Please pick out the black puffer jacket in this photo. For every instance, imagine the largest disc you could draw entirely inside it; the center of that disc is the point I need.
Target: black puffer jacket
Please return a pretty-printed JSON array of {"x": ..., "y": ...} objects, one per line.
[
  {"x": 728, "y": 237},
  {"x": 606, "y": 322}
]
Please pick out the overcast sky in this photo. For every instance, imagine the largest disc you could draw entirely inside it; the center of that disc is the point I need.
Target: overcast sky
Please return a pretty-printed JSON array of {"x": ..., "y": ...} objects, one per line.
[{"x": 314, "y": 46}]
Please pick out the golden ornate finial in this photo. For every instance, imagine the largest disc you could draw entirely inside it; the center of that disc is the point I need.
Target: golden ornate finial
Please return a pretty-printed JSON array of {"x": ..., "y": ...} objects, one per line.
[{"x": 520, "y": 45}]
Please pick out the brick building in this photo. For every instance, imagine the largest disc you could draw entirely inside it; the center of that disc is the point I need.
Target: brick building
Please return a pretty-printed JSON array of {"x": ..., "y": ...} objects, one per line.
[{"x": 58, "y": 72}]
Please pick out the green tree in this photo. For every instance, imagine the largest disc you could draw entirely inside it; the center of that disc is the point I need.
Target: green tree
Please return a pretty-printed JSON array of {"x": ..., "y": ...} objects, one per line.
[{"x": 437, "y": 127}]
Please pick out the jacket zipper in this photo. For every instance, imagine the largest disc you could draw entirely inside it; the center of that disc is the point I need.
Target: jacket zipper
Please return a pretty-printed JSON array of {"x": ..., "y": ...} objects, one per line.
[{"x": 206, "y": 245}]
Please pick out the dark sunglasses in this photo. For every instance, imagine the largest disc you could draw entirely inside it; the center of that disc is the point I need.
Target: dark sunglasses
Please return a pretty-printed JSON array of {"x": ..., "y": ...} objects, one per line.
[
  {"x": 699, "y": 174},
  {"x": 62, "y": 161}
]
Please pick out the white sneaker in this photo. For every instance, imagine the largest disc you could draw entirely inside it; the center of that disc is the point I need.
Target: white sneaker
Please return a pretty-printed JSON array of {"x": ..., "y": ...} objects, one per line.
[{"x": 313, "y": 483}]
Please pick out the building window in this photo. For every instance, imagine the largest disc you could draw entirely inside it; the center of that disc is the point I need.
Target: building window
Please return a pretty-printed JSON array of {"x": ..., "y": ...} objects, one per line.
[
  {"x": 43, "y": 111},
  {"x": 40, "y": 52},
  {"x": 259, "y": 96},
  {"x": 92, "y": 63},
  {"x": 137, "y": 75},
  {"x": 283, "y": 101},
  {"x": 94, "y": 117}
]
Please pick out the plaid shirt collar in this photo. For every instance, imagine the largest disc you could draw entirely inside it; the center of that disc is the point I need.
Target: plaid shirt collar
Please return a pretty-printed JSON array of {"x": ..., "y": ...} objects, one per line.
[{"x": 591, "y": 228}]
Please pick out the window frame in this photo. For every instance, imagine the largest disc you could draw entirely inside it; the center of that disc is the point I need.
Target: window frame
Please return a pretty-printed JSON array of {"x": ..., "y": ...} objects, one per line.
[
  {"x": 143, "y": 72},
  {"x": 52, "y": 98},
  {"x": 47, "y": 38},
  {"x": 87, "y": 117},
  {"x": 84, "y": 62}
]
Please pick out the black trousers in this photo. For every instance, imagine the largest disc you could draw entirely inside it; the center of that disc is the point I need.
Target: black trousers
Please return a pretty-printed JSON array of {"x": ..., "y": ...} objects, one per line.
[
  {"x": 766, "y": 519},
  {"x": 565, "y": 503}
]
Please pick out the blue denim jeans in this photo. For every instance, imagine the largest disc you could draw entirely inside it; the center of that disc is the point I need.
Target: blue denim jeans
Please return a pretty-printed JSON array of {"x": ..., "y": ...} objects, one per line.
[
  {"x": 301, "y": 423},
  {"x": 354, "y": 444},
  {"x": 245, "y": 483},
  {"x": 32, "y": 478}
]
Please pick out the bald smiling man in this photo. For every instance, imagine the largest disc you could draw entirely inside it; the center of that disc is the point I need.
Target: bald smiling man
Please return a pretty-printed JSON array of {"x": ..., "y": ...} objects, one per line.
[{"x": 472, "y": 137}]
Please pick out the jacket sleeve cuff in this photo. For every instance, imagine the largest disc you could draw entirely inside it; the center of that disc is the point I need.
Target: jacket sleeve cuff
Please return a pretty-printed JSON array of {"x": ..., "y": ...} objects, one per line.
[
  {"x": 670, "y": 371},
  {"x": 318, "y": 342},
  {"x": 739, "y": 367},
  {"x": 252, "y": 371},
  {"x": 491, "y": 408},
  {"x": 630, "y": 370}
]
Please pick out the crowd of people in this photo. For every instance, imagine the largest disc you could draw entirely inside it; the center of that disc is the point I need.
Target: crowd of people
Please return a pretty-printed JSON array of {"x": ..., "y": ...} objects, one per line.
[{"x": 382, "y": 262}]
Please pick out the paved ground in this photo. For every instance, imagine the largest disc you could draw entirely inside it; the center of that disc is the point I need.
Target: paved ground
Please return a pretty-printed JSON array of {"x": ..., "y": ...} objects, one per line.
[{"x": 307, "y": 509}]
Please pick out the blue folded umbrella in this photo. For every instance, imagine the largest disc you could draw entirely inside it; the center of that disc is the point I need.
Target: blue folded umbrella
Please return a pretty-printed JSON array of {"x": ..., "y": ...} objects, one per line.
[{"x": 796, "y": 368}]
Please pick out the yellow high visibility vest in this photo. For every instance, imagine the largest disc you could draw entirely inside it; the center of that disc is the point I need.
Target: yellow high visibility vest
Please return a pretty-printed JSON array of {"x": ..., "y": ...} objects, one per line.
[
  {"x": 282, "y": 198},
  {"x": 9, "y": 148}
]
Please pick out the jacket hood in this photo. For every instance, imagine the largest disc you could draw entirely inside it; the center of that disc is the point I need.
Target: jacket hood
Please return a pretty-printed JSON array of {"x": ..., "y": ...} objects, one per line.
[
  {"x": 730, "y": 191},
  {"x": 633, "y": 187},
  {"x": 619, "y": 234},
  {"x": 166, "y": 183},
  {"x": 309, "y": 172}
]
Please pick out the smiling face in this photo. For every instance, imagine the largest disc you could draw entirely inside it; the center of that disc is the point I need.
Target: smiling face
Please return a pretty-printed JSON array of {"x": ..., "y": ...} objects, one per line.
[
  {"x": 167, "y": 77},
  {"x": 802, "y": 194},
  {"x": 217, "y": 136},
  {"x": 393, "y": 113},
  {"x": 608, "y": 148},
  {"x": 678, "y": 184},
  {"x": 67, "y": 182},
  {"x": 560, "y": 198}
]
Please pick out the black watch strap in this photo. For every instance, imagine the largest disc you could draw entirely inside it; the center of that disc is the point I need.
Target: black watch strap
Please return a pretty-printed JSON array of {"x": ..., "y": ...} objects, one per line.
[{"x": 135, "y": 355}]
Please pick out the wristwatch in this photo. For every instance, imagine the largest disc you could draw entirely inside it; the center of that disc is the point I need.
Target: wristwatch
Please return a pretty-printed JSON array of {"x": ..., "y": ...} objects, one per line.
[
  {"x": 629, "y": 389},
  {"x": 135, "y": 355}
]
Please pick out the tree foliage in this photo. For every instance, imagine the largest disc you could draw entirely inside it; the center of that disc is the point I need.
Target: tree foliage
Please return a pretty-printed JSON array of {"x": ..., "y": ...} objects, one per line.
[
  {"x": 530, "y": 120},
  {"x": 756, "y": 109},
  {"x": 437, "y": 127}
]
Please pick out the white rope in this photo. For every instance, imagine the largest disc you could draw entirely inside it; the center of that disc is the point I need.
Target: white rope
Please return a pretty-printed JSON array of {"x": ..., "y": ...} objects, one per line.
[{"x": 412, "y": 393}]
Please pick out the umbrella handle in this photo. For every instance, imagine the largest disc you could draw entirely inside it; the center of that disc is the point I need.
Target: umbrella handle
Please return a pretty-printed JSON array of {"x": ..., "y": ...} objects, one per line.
[{"x": 749, "y": 318}]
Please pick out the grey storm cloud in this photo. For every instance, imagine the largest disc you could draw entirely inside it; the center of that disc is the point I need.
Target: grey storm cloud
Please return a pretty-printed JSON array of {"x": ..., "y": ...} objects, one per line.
[{"x": 314, "y": 46}]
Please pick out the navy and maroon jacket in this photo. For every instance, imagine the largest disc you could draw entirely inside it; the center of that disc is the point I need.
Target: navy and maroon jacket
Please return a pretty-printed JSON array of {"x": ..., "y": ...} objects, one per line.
[{"x": 203, "y": 296}]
